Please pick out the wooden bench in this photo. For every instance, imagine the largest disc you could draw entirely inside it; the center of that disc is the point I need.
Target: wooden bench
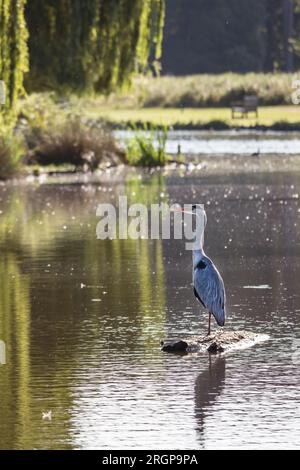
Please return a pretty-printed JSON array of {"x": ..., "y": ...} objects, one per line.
[{"x": 248, "y": 105}]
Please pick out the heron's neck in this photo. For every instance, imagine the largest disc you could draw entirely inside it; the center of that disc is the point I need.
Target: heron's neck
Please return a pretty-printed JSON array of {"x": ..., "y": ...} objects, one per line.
[
  {"x": 197, "y": 256},
  {"x": 198, "y": 252}
]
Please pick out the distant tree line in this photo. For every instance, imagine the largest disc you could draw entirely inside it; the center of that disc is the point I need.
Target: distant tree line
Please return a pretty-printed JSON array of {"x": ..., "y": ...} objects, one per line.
[{"x": 214, "y": 36}]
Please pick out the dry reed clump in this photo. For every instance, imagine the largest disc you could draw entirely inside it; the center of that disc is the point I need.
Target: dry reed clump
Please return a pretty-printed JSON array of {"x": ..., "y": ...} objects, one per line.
[{"x": 76, "y": 144}]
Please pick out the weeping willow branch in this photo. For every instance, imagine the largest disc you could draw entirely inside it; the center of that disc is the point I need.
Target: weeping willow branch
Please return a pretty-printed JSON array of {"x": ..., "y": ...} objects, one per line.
[
  {"x": 13, "y": 50},
  {"x": 91, "y": 44}
]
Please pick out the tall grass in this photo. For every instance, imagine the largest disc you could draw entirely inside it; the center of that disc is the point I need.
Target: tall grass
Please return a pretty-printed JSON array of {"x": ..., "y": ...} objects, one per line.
[
  {"x": 205, "y": 90},
  {"x": 147, "y": 147}
]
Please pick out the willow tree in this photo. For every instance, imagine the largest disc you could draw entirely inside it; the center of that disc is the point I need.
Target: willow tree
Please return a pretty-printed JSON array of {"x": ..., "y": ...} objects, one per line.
[
  {"x": 13, "y": 49},
  {"x": 91, "y": 44}
]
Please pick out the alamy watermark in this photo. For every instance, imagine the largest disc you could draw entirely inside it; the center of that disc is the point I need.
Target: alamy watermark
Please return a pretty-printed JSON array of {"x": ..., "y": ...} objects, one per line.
[
  {"x": 2, "y": 93},
  {"x": 2, "y": 353},
  {"x": 138, "y": 221}
]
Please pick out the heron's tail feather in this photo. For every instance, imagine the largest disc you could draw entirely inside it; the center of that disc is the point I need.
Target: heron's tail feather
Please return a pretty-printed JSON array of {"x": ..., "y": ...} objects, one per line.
[{"x": 220, "y": 317}]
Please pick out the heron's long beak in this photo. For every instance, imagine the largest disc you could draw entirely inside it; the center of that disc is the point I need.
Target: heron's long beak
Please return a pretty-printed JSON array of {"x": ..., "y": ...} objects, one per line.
[{"x": 182, "y": 211}]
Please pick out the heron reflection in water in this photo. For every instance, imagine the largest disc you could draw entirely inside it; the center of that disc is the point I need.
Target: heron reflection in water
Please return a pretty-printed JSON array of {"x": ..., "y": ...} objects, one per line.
[{"x": 208, "y": 387}]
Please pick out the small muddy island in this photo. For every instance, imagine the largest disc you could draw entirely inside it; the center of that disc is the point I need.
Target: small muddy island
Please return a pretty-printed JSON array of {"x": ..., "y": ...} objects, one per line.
[{"x": 216, "y": 343}]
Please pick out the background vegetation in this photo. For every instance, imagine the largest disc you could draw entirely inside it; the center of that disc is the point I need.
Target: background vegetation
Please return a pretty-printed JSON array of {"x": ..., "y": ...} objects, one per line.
[
  {"x": 281, "y": 118},
  {"x": 91, "y": 44},
  {"x": 205, "y": 90},
  {"x": 216, "y": 36},
  {"x": 80, "y": 45},
  {"x": 11, "y": 152},
  {"x": 148, "y": 146},
  {"x": 71, "y": 45},
  {"x": 73, "y": 60},
  {"x": 13, "y": 50}
]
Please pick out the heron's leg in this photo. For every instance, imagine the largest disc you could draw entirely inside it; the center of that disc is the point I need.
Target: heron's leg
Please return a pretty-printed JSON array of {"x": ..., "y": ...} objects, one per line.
[{"x": 209, "y": 317}]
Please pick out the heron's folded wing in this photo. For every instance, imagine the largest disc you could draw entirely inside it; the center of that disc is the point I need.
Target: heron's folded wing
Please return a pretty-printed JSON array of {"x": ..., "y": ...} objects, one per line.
[
  {"x": 209, "y": 287},
  {"x": 197, "y": 297}
]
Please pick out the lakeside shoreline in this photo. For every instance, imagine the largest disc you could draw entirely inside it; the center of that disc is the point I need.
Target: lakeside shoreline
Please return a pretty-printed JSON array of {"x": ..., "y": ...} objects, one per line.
[
  {"x": 215, "y": 126},
  {"x": 195, "y": 165}
]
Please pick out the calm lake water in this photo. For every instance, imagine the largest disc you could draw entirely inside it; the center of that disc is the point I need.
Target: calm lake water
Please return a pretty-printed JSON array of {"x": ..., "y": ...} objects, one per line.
[
  {"x": 82, "y": 319},
  {"x": 228, "y": 142}
]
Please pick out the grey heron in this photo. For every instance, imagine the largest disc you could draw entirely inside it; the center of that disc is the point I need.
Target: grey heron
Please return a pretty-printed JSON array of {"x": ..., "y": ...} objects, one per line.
[{"x": 207, "y": 281}]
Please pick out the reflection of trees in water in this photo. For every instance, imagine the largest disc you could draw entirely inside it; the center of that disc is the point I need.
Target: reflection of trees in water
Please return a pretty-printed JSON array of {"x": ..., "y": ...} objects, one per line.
[
  {"x": 150, "y": 191},
  {"x": 208, "y": 387},
  {"x": 51, "y": 327},
  {"x": 20, "y": 406},
  {"x": 132, "y": 274},
  {"x": 15, "y": 331}
]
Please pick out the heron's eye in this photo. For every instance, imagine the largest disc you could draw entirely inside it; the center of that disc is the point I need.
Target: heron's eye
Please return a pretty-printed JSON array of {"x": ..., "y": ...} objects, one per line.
[{"x": 201, "y": 265}]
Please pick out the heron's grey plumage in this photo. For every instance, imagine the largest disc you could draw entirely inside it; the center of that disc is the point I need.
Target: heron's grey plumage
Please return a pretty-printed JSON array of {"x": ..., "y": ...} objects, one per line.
[
  {"x": 209, "y": 287},
  {"x": 208, "y": 283}
]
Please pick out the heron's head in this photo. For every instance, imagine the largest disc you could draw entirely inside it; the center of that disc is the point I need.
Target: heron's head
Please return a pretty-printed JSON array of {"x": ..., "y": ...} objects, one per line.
[{"x": 198, "y": 209}]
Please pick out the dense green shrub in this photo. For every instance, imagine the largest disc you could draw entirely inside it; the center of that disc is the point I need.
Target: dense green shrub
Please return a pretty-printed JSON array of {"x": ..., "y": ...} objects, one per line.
[
  {"x": 11, "y": 153},
  {"x": 147, "y": 147}
]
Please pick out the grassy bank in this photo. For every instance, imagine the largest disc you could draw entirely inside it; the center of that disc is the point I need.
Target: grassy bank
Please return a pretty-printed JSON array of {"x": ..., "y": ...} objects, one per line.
[
  {"x": 276, "y": 117},
  {"x": 53, "y": 132},
  {"x": 38, "y": 110},
  {"x": 76, "y": 131}
]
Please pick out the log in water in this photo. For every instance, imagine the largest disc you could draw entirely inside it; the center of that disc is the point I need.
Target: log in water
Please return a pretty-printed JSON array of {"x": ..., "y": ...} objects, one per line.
[{"x": 218, "y": 342}]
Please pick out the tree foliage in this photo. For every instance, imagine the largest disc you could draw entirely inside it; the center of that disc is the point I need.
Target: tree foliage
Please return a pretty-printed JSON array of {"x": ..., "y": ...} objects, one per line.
[
  {"x": 215, "y": 36},
  {"x": 91, "y": 44},
  {"x": 76, "y": 44},
  {"x": 13, "y": 48}
]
